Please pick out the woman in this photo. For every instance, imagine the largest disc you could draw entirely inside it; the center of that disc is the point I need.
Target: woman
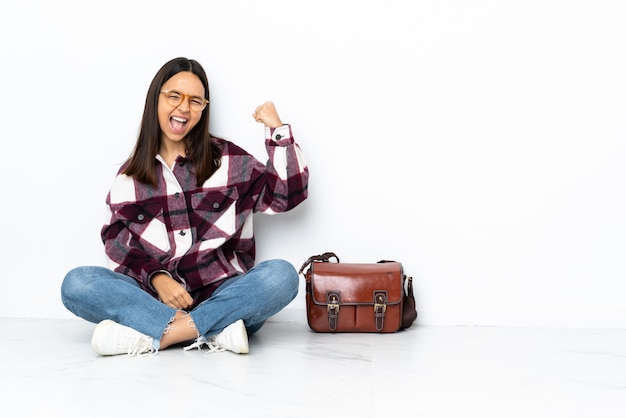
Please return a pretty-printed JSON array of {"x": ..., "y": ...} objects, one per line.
[{"x": 179, "y": 235}]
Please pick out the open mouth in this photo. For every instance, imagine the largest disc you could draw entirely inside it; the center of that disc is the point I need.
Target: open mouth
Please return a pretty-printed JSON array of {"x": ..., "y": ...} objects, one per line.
[{"x": 178, "y": 124}]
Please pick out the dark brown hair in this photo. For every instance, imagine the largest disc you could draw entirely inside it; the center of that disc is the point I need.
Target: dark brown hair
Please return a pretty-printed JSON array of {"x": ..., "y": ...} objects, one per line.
[{"x": 201, "y": 150}]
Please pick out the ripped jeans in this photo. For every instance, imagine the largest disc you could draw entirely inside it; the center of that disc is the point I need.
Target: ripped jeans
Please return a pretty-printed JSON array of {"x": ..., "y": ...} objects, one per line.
[{"x": 97, "y": 293}]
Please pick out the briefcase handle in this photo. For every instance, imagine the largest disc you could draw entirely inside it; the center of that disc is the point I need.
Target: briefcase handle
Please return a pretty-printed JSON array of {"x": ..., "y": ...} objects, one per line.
[
  {"x": 321, "y": 257},
  {"x": 326, "y": 258}
]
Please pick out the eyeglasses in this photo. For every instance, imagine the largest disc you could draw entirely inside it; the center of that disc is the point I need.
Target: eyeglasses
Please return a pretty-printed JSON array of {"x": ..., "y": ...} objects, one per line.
[{"x": 175, "y": 98}]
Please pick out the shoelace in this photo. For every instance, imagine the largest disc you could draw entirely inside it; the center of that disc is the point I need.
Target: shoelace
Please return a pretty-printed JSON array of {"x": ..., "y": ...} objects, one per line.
[
  {"x": 211, "y": 343},
  {"x": 142, "y": 347}
]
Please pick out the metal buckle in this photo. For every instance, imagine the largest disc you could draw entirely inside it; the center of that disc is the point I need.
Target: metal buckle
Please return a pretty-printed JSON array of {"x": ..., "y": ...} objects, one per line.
[{"x": 333, "y": 304}]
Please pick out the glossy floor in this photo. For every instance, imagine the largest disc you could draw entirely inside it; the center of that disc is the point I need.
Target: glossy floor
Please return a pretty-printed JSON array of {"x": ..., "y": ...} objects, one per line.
[{"x": 49, "y": 370}]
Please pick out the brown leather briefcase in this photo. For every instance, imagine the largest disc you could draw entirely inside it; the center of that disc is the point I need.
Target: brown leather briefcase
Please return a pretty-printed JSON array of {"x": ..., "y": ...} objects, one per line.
[{"x": 357, "y": 297}]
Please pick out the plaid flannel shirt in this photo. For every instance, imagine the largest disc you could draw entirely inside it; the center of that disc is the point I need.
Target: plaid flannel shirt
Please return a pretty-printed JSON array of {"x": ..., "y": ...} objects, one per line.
[{"x": 201, "y": 235}]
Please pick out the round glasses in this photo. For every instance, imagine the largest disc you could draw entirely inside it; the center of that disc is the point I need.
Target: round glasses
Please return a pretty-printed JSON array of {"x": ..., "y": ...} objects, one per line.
[{"x": 175, "y": 98}]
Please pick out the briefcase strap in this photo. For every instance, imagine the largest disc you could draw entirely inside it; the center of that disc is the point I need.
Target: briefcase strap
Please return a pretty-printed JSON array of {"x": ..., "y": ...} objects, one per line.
[
  {"x": 321, "y": 257},
  {"x": 333, "y": 302},
  {"x": 380, "y": 307}
]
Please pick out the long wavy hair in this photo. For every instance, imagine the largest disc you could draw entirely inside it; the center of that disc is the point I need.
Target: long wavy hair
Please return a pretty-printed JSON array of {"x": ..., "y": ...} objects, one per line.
[{"x": 201, "y": 150}]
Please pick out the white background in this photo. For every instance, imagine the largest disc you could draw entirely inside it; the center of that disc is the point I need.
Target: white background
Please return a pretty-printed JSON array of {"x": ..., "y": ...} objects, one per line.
[{"x": 480, "y": 143}]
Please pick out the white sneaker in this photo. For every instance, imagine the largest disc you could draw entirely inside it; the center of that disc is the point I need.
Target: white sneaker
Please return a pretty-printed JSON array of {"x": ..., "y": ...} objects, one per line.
[
  {"x": 110, "y": 338},
  {"x": 233, "y": 338}
]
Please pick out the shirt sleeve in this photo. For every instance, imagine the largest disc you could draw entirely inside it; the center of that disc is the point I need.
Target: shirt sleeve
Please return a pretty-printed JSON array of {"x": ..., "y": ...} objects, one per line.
[
  {"x": 286, "y": 174},
  {"x": 124, "y": 245}
]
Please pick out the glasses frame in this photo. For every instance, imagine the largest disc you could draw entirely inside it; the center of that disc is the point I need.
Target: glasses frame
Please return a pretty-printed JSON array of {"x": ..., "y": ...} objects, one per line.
[{"x": 184, "y": 96}]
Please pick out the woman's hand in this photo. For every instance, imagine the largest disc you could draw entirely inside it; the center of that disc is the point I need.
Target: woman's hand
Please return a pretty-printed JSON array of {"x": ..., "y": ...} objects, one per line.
[
  {"x": 267, "y": 115},
  {"x": 171, "y": 292}
]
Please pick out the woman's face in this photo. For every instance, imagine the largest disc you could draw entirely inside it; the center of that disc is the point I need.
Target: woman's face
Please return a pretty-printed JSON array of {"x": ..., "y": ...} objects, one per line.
[{"x": 176, "y": 120}]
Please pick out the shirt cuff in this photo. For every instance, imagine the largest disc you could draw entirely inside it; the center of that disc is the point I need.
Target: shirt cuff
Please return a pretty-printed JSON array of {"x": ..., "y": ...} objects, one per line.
[{"x": 280, "y": 134}]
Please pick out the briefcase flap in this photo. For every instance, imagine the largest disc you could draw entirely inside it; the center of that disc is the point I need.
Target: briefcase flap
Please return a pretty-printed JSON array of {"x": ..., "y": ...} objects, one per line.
[{"x": 357, "y": 283}]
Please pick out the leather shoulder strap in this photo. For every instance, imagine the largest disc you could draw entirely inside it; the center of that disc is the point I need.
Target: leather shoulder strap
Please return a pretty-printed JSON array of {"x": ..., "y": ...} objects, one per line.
[{"x": 321, "y": 257}]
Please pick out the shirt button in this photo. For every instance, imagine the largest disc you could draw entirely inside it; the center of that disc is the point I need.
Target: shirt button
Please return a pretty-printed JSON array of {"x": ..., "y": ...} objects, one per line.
[
  {"x": 182, "y": 233},
  {"x": 216, "y": 205},
  {"x": 140, "y": 217},
  {"x": 278, "y": 136},
  {"x": 177, "y": 194}
]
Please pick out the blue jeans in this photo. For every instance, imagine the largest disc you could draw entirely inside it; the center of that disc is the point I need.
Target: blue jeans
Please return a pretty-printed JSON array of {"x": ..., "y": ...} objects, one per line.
[{"x": 97, "y": 293}]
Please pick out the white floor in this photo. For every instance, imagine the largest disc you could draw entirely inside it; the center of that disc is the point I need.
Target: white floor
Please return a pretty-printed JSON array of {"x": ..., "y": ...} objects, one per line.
[{"x": 49, "y": 370}]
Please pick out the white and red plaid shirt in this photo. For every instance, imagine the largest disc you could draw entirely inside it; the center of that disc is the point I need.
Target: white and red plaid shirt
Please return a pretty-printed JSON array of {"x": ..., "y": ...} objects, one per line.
[{"x": 201, "y": 235}]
